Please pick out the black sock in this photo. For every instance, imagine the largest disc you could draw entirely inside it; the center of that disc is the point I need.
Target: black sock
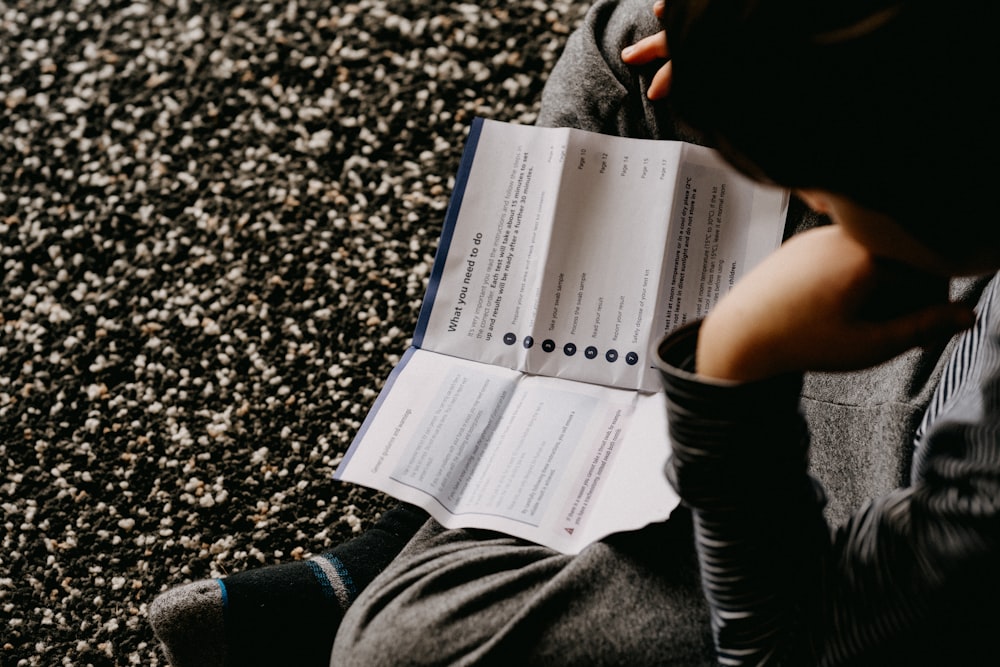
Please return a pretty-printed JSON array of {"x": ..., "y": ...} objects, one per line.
[{"x": 271, "y": 615}]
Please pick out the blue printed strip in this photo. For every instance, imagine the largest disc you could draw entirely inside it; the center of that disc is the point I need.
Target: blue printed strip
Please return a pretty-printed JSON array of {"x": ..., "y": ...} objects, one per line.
[
  {"x": 450, "y": 219},
  {"x": 391, "y": 380}
]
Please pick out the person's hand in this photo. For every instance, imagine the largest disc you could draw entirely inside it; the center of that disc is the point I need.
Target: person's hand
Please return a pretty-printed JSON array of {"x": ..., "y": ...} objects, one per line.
[
  {"x": 651, "y": 49},
  {"x": 822, "y": 302}
]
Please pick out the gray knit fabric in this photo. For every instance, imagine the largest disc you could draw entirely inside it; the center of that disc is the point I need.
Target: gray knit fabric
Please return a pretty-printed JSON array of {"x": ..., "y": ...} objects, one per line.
[
  {"x": 862, "y": 424},
  {"x": 186, "y": 642},
  {"x": 473, "y": 597},
  {"x": 466, "y": 597}
]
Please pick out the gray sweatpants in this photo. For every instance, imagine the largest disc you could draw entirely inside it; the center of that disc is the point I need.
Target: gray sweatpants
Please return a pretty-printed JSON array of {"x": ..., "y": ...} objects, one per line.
[{"x": 475, "y": 597}]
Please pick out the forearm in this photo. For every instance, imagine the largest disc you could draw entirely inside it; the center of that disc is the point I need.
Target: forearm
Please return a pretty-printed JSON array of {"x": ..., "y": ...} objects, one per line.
[
  {"x": 739, "y": 461},
  {"x": 909, "y": 579}
]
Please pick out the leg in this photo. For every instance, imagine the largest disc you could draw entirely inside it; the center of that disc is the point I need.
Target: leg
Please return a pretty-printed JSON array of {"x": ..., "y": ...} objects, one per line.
[
  {"x": 467, "y": 597},
  {"x": 218, "y": 622}
]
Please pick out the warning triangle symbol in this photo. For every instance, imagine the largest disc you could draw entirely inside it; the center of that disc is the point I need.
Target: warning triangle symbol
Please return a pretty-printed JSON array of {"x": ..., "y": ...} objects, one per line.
[{"x": 569, "y": 530}]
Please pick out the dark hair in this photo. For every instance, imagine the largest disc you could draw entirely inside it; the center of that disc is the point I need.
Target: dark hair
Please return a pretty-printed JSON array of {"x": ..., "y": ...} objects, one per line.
[{"x": 883, "y": 102}]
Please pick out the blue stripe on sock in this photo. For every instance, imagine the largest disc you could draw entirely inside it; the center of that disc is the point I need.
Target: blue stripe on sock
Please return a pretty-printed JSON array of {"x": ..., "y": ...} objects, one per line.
[
  {"x": 225, "y": 595},
  {"x": 345, "y": 576},
  {"x": 321, "y": 577}
]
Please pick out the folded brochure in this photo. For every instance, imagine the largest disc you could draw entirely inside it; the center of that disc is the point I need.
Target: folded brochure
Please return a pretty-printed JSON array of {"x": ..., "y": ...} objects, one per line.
[{"x": 528, "y": 403}]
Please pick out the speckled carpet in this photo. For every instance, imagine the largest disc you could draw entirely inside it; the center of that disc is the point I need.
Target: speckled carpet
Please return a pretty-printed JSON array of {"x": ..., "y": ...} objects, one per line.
[{"x": 216, "y": 224}]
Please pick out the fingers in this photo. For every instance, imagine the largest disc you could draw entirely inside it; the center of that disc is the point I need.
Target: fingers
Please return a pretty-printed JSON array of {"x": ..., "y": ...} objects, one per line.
[
  {"x": 659, "y": 87},
  {"x": 650, "y": 49},
  {"x": 925, "y": 328},
  {"x": 647, "y": 50}
]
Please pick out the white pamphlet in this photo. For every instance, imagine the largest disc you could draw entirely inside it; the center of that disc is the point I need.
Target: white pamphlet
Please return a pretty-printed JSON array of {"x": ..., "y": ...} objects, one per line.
[{"x": 528, "y": 403}]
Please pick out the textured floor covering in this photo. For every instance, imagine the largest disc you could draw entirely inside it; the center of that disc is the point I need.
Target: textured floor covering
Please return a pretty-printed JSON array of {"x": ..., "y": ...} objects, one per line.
[{"x": 216, "y": 224}]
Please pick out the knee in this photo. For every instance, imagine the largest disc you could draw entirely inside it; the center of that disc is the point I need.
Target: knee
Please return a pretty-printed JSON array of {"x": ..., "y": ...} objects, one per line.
[{"x": 446, "y": 607}]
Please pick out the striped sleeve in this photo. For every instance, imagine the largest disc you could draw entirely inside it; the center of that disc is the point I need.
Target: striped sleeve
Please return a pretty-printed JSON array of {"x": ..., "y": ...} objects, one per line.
[
  {"x": 957, "y": 387},
  {"x": 912, "y": 578}
]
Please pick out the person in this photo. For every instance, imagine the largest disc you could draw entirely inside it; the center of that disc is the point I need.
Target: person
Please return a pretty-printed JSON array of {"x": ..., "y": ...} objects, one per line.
[
  {"x": 831, "y": 99},
  {"x": 911, "y": 578}
]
